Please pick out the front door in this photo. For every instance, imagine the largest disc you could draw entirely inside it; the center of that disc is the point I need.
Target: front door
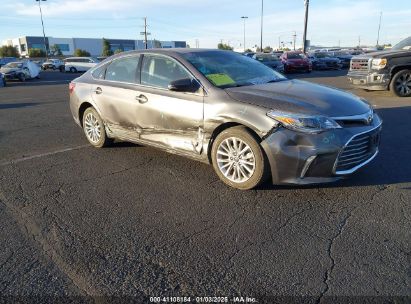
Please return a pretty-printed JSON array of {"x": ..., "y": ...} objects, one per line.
[{"x": 168, "y": 118}]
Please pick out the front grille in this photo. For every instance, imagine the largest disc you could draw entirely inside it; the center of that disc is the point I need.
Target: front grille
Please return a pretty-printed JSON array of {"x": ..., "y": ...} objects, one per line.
[
  {"x": 359, "y": 64},
  {"x": 358, "y": 150}
]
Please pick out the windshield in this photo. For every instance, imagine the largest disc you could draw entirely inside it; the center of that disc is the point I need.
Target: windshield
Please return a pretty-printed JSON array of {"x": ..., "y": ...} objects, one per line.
[
  {"x": 14, "y": 65},
  {"x": 227, "y": 69},
  {"x": 295, "y": 56},
  {"x": 403, "y": 45}
]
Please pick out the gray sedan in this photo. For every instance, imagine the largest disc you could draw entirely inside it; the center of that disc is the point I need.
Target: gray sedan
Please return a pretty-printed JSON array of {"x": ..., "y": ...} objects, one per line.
[{"x": 248, "y": 121}]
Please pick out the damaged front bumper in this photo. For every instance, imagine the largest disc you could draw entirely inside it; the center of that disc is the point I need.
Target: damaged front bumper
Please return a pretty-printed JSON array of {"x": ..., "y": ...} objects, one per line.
[
  {"x": 375, "y": 81},
  {"x": 300, "y": 158}
]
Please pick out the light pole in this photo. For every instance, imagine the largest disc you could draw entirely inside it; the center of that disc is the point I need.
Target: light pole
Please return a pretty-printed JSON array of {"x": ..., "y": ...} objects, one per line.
[
  {"x": 244, "y": 18},
  {"x": 262, "y": 17},
  {"x": 379, "y": 28},
  {"x": 44, "y": 34},
  {"x": 307, "y": 4}
]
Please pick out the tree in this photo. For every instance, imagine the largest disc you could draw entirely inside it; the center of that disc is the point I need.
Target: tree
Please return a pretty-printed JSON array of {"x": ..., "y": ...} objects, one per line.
[
  {"x": 223, "y": 46},
  {"x": 268, "y": 49},
  {"x": 157, "y": 44},
  {"x": 106, "y": 48},
  {"x": 9, "y": 51},
  {"x": 55, "y": 50},
  {"x": 37, "y": 53},
  {"x": 81, "y": 53}
]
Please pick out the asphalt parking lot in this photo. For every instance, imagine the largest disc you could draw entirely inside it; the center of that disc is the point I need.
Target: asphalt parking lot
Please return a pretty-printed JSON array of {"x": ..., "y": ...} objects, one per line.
[{"x": 131, "y": 222}]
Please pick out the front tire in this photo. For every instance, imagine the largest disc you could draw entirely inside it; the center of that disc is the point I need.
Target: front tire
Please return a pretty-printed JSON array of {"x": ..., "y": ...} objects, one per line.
[
  {"x": 94, "y": 129},
  {"x": 401, "y": 83},
  {"x": 73, "y": 70},
  {"x": 238, "y": 159},
  {"x": 22, "y": 77}
]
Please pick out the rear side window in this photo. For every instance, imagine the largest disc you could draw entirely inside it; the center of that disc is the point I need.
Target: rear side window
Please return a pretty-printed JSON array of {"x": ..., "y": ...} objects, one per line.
[
  {"x": 123, "y": 70},
  {"x": 99, "y": 73},
  {"x": 159, "y": 71}
]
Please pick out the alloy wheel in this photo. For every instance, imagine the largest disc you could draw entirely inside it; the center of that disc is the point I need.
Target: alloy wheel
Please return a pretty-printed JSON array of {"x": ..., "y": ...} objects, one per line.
[
  {"x": 403, "y": 84},
  {"x": 92, "y": 128},
  {"x": 236, "y": 160}
]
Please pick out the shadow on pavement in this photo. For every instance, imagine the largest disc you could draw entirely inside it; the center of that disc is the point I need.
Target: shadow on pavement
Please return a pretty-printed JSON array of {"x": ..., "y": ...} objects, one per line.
[
  {"x": 17, "y": 105},
  {"x": 46, "y": 78}
]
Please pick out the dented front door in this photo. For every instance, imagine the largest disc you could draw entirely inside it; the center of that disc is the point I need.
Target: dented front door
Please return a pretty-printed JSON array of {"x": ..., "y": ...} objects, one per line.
[{"x": 168, "y": 118}]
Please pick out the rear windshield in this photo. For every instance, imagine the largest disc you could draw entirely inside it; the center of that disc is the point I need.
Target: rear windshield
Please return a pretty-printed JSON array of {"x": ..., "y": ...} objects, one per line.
[
  {"x": 295, "y": 56},
  {"x": 14, "y": 65},
  {"x": 403, "y": 45}
]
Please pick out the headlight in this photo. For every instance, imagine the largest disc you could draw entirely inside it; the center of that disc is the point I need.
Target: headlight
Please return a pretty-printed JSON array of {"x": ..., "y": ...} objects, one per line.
[
  {"x": 379, "y": 63},
  {"x": 304, "y": 123}
]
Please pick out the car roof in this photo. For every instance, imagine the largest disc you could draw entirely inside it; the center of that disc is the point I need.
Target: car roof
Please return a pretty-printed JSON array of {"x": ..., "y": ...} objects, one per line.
[{"x": 169, "y": 51}]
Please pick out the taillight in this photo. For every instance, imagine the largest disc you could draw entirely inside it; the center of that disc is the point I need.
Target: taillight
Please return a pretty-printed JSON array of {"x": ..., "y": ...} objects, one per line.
[{"x": 72, "y": 85}]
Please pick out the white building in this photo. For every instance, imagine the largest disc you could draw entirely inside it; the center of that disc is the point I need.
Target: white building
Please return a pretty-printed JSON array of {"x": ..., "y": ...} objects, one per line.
[{"x": 92, "y": 45}]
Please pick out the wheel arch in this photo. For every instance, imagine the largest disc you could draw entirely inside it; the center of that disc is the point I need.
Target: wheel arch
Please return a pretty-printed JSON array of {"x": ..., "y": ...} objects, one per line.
[
  {"x": 224, "y": 126},
  {"x": 395, "y": 69},
  {"x": 83, "y": 107}
]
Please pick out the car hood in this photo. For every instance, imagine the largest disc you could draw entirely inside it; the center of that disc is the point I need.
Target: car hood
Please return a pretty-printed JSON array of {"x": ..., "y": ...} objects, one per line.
[
  {"x": 9, "y": 70},
  {"x": 300, "y": 97},
  {"x": 388, "y": 54}
]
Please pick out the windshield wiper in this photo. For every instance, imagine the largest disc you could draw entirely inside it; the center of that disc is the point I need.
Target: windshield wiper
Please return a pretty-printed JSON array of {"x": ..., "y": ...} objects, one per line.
[
  {"x": 276, "y": 80},
  {"x": 235, "y": 85}
]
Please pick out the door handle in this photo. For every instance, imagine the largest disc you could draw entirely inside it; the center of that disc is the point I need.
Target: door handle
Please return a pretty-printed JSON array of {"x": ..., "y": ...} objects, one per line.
[
  {"x": 141, "y": 98},
  {"x": 98, "y": 90}
]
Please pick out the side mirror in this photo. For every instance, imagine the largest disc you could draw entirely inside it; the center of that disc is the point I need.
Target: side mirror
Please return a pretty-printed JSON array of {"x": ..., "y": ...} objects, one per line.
[{"x": 184, "y": 85}]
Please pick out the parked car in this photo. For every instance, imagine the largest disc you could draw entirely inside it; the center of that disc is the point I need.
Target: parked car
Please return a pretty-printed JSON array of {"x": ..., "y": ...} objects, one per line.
[
  {"x": 249, "y": 54},
  {"x": 79, "y": 64},
  {"x": 296, "y": 62},
  {"x": 220, "y": 107},
  {"x": 278, "y": 53},
  {"x": 20, "y": 70},
  {"x": 53, "y": 64},
  {"x": 5, "y": 60},
  {"x": 344, "y": 56},
  {"x": 2, "y": 80},
  {"x": 270, "y": 60},
  {"x": 385, "y": 70},
  {"x": 324, "y": 61}
]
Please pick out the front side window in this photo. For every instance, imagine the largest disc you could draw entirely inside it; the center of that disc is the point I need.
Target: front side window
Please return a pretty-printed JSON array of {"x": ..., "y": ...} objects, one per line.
[
  {"x": 123, "y": 69},
  {"x": 228, "y": 69},
  {"x": 159, "y": 71}
]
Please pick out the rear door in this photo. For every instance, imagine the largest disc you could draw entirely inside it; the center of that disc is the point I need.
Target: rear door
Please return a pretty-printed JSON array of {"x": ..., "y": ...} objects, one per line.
[{"x": 115, "y": 94}]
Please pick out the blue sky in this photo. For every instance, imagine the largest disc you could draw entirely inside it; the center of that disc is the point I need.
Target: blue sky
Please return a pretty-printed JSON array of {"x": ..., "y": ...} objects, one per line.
[{"x": 210, "y": 21}]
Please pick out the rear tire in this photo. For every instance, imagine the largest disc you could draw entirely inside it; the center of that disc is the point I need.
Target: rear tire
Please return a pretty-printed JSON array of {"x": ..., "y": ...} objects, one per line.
[
  {"x": 94, "y": 129},
  {"x": 401, "y": 83},
  {"x": 238, "y": 159}
]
